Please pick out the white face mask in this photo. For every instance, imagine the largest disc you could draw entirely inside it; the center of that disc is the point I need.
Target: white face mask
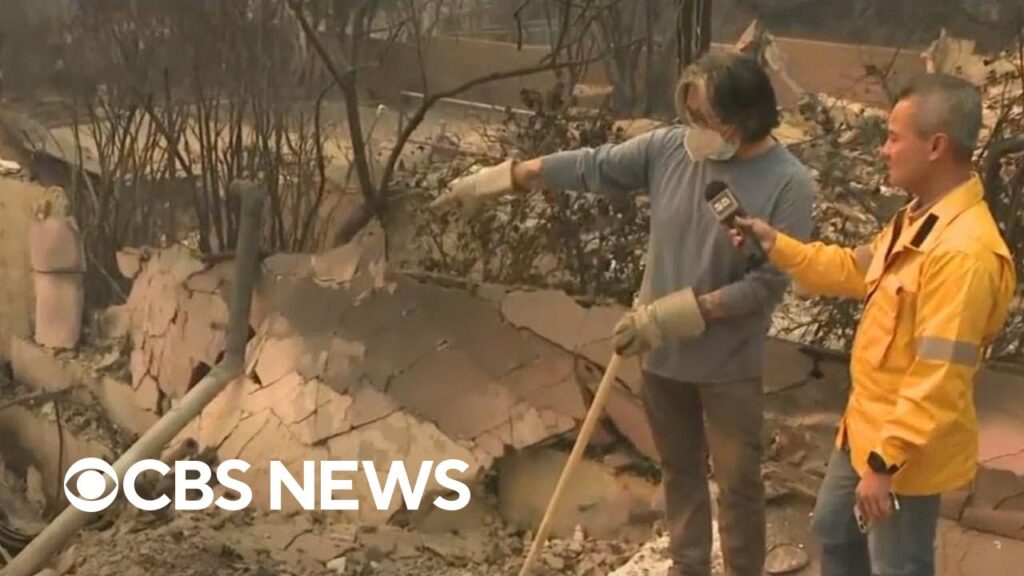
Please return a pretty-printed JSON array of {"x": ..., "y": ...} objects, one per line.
[{"x": 705, "y": 144}]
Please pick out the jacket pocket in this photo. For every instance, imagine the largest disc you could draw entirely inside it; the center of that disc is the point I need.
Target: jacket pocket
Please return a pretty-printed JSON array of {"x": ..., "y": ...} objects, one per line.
[{"x": 881, "y": 318}]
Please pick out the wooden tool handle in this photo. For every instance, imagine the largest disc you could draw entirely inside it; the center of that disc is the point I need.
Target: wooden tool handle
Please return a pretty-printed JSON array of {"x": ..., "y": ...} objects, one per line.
[{"x": 586, "y": 431}]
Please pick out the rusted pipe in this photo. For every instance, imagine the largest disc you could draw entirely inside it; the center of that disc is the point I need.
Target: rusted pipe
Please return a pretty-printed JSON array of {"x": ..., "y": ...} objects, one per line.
[{"x": 52, "y": 540}]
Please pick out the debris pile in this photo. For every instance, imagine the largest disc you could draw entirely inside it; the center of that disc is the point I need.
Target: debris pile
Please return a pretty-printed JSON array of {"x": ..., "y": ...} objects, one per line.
[{"x": 217, "y": 543}]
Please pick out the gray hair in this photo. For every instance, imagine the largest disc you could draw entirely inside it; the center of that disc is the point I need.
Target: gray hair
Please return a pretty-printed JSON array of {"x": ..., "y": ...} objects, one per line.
[{"x": 946, "y": 105}]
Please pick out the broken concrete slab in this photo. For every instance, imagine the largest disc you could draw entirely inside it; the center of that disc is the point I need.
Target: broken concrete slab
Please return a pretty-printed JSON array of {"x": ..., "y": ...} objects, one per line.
[
  {"x": 462, "y": 320},
  {"x": 995, "y": 489},
  {"x": 39, "y": 368},
  {"x": 597, "y": 499},
  {"x": 402, "y": 366},
  {"x": 470, "y": 404},
  {"x": 274, "y": 441},
  {"x": 625, "y": 410},
  {"x": 161, "y": 306},
  {"x": 205, "y": 318},
  {"x": 548, "y": 381},
  {"x": 338, "y": 266},
  {"x": 228, "y": 422},
  {"x": 292, "y": 399},
  {"x": 551, "y": 314},
  {"x": 330, "y": 418},
  {"x": 395, "y": 331},
  {"x": 399, "y": 436},
  {"x": 129, "y": 262},
  {"x": 369, "y": 405},
  {"x": 309, "y": 308},
  {"x": 962, "y": 552},
  {"x": 174, "y": 369},
  {"x": 147, "y": 395},
  {"x": 344, "y": 362},
  {"x": 278, "y": 357},
  {"x": 1008, "y": 523},
  {"x": 124, "y": 409}
]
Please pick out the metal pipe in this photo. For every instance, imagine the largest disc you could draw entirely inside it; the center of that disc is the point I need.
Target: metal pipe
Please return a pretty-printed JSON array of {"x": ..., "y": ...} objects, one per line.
[
  {"x": 52, "y": 540},
  {"x": 458, "y": 102}
]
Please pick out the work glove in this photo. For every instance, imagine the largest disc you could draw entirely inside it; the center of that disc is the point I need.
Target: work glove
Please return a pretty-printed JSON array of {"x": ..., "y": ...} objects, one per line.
[
  {"x": 471, "y": 192},
  {"x": 646, "y": 327}
]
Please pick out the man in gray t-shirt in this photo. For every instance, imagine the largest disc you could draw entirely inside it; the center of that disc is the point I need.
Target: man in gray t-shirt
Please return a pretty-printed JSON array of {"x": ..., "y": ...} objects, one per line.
[{"x": 702, "y": 317}]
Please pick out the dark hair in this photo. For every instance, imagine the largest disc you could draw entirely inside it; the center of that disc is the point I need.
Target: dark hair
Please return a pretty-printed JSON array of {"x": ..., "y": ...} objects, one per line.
[
  {"x": 946, "y": 105},
  {"x": 739, "y": 92}
]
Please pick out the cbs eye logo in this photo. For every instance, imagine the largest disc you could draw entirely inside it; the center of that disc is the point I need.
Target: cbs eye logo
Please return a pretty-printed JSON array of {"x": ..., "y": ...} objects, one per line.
[{"x": 90, "y": 485}]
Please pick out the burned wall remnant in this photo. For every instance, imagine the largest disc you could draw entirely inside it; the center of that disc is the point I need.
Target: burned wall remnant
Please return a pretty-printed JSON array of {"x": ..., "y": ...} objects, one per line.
[
  {"x": 348, "y": 361},
  {"x": 17, "y": 294}
]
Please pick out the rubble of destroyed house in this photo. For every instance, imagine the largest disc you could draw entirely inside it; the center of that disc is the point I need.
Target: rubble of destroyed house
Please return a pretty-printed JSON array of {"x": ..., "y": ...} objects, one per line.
[{"x": 385, "y": 348}]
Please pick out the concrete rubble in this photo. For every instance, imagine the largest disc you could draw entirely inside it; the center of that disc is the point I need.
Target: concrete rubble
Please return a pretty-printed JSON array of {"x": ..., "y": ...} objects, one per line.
[{"x": 348, "y": 362}]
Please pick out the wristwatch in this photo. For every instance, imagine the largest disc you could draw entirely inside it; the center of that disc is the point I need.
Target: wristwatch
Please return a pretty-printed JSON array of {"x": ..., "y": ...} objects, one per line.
[{"x": 878, "y": 464}]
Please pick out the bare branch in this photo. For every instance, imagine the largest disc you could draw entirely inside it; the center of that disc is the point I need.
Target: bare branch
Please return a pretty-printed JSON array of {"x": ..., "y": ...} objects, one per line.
[
  {"x": 365, "y": 212},
  {"x": 430, "y": 100},
  {"x": 341, "y": 76},
  {"x": 349, "y": 91},
  {"x": 424, "y": 86}
]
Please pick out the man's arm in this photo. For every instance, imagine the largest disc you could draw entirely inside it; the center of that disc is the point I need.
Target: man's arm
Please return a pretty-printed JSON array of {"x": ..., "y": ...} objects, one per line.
[
  {"x": 824, "y": 269},
  {"x": 959, "y": 293},
  {"x": 764, "y": 287},
  {"x": 607, "y": 169}
]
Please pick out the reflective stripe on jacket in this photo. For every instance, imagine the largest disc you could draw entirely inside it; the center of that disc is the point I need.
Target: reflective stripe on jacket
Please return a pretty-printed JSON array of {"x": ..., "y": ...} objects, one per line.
[{"x": 937, "y": 290}]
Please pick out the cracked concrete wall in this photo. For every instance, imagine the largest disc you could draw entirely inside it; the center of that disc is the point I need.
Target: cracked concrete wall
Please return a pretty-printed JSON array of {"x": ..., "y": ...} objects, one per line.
[{"x": 348, "y": 361}]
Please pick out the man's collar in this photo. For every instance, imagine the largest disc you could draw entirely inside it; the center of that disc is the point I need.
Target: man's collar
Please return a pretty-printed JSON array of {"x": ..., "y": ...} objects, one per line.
[
  {"x": 944, "y": 210},
  {"x": 957, "y": 200}
]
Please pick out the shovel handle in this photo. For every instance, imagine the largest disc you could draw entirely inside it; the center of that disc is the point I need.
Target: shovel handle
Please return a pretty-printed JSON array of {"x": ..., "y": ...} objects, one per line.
[{"x": 582, "y": 439}]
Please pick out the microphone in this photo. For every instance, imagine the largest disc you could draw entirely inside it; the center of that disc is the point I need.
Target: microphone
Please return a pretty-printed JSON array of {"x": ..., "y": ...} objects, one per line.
[{"x": 727, "y": 208}]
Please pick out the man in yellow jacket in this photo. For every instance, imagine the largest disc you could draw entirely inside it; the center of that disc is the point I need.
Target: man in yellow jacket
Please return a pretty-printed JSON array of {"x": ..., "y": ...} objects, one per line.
[{"x": 937, "y": 283}]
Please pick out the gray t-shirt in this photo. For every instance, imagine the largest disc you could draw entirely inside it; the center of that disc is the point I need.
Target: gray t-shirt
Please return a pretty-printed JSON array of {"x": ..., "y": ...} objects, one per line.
[{"x": 689, "y": 248}]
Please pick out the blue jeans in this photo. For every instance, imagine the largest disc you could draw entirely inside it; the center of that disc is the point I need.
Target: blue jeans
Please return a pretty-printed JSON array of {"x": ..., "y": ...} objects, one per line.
[{"x": 901, "y": 545}]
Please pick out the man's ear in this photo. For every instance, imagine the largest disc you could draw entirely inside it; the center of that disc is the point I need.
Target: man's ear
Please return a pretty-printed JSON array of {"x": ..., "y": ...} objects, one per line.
[{"x": 940, "y": 145}]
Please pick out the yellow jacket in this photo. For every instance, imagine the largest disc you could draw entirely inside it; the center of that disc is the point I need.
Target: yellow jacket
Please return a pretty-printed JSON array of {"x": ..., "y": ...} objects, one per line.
[{"x": 932, "y": 306}]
